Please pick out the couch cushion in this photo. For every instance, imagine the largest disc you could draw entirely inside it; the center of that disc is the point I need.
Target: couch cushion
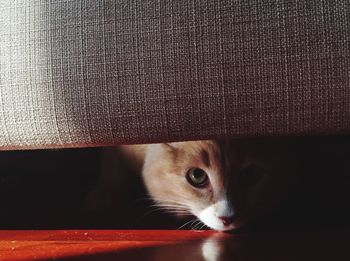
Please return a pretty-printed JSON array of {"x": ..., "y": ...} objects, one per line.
[{"x": 90, "y": 73}]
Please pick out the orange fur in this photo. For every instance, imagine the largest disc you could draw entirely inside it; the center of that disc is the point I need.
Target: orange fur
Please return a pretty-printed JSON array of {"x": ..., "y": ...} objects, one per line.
[{"x": 165, "y": 167}]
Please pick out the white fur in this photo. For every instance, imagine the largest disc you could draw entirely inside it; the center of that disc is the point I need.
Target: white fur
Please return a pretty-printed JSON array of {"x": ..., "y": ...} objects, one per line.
[
  {"x": 210, "y": 215},
  {"x": 212, "y": 250}
]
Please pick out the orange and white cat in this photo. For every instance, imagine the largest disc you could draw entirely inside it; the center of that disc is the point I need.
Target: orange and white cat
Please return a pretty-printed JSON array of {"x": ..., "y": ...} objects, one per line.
[{"x": 225, "y": 184}]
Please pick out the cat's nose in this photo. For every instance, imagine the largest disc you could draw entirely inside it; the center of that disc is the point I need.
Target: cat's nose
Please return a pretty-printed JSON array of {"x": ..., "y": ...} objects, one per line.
[{"x": 227, "y": 220}]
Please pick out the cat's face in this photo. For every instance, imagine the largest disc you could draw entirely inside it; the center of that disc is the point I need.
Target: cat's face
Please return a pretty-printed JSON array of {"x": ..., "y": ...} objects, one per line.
[{"x": 224, "y": 184}]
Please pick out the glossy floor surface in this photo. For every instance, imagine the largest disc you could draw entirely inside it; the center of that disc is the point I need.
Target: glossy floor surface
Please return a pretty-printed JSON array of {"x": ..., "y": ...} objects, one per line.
[{"x": 173, "y": 245}]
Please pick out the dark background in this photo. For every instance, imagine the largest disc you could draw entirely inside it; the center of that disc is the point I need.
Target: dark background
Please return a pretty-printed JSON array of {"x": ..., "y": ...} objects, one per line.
[{"x": 48, "y": 189}]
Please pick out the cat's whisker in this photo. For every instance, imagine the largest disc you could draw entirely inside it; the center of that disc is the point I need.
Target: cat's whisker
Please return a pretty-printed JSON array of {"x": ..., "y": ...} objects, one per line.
[
  {"x": 168, "y": 204},
  {"x": 187, "y": 223},
  {"x": 203, "y": 226},
  {"x": 164, "y": 208},
  {"x": 185, "y": 214},
  {"x": 198, "y": 225},
  {"x": 150, "y": 212},
  {"x": 159, "y": 210},
  {"x": 159, "y": 200},
  {"x": 173, "y": 209},
  {"x": 195, "y": 224},
  {"x": 176, "y": 211},
  {"x": 171, "y": 205},
  {"x": 167, "y": 208}
]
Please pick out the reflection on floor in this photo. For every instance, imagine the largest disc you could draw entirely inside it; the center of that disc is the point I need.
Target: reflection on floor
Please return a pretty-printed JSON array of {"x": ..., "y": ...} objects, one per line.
[{"x": 173, "y": 245}]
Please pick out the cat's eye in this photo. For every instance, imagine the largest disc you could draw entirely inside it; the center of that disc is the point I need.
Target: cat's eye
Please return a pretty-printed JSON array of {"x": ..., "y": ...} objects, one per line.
[
  {"x": 250, "y": 175},
  {"x": 197, "y": 177}
]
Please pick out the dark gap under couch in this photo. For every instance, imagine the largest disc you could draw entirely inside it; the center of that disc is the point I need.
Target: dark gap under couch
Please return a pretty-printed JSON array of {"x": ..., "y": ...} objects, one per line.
[{"x": 46, "y": 189}]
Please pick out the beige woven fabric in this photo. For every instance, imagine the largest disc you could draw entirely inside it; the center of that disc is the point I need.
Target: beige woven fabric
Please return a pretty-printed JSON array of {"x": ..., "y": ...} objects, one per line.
[{"x": 88, "y": 73}]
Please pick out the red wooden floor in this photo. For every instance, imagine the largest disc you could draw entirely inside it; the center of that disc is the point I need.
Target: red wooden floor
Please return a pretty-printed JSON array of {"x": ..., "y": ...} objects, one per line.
[{"x": 173, "y": 245}]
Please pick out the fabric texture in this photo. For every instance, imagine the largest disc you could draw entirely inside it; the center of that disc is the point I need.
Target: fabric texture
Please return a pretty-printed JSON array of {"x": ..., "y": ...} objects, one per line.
[{"x": 90, "y": 73}]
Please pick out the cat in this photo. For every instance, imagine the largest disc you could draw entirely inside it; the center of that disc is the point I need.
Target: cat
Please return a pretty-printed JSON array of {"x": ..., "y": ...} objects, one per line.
[{"x": 225, "y": 184}]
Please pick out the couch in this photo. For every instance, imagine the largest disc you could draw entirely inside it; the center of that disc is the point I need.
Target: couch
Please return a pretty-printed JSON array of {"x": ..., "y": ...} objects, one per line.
[{"x": 93, "y": 73}]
